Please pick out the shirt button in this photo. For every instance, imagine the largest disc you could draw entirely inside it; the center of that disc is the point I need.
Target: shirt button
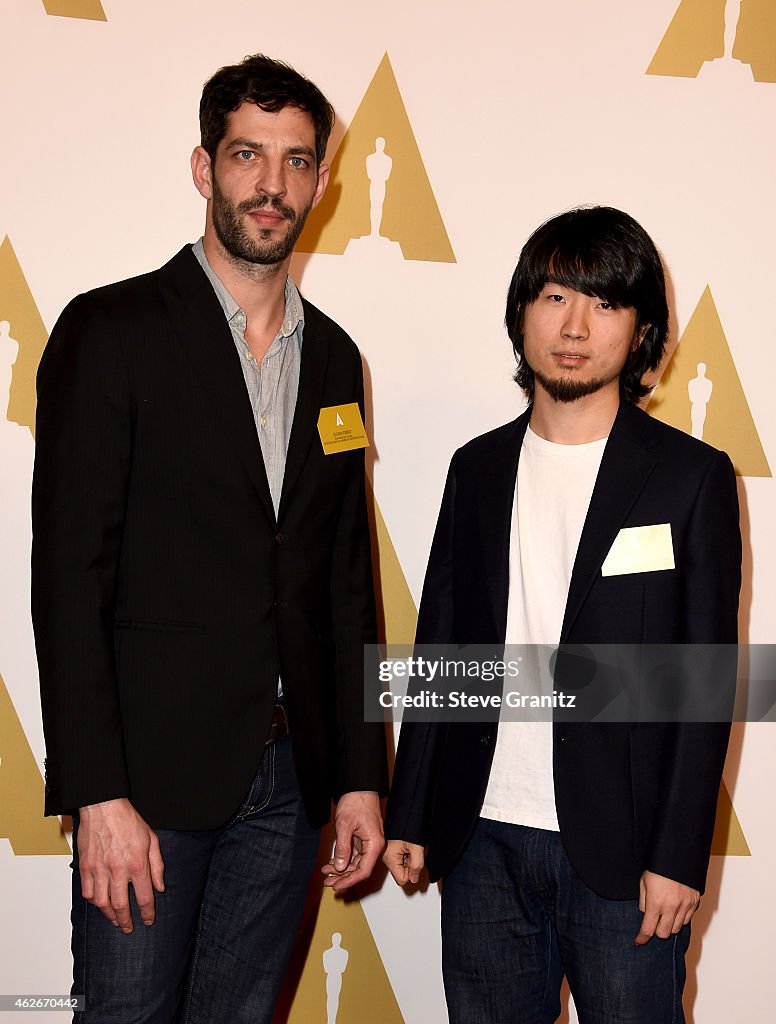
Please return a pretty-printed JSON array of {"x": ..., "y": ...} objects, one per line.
[
  {"x": 263, "y": 421},
  {"x": 250, "y": 356}
]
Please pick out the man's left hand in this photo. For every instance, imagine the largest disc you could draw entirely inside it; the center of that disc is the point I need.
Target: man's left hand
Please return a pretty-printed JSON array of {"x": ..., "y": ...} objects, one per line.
[
  {"x": 666, "y": 905},
  {"x": 359, "y": 828}
]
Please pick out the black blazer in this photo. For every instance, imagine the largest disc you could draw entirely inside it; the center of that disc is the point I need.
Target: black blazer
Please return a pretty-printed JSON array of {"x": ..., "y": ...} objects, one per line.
[
  {"x": 629, "y": 797},
  {"x": 167, "y": 598}
]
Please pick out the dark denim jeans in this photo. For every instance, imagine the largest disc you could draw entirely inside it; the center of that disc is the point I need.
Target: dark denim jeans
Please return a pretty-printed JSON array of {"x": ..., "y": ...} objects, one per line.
[
  {"x": 225, "y": 924},
  {"x": 516, "y": 918}
]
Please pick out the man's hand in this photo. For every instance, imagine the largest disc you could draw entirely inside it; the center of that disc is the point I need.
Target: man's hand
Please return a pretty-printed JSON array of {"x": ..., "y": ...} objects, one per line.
[
  {"x": 404, "y": 860},
  {"x": 666, "y": 905},
  {"x": 116, "y": 847},
  {"x": 359, "y": 828}
]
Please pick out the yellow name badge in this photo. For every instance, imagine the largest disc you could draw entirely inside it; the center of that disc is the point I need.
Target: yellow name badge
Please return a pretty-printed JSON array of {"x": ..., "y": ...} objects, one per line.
[
  {"x": 341, "y": 428},
  {"x": 640, "y": 549}
]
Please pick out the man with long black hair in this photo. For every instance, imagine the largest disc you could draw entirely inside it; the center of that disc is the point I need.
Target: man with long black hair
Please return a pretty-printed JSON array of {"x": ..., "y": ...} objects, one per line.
[{"x": 573, "y": 848}]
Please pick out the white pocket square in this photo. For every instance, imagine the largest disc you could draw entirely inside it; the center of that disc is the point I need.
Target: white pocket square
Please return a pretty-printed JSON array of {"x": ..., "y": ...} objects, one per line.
[{"x": 640, "y": 549}]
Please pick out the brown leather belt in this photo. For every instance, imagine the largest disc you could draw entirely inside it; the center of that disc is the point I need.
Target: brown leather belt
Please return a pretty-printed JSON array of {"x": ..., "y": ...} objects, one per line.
[{"x": 279, "y": 725}]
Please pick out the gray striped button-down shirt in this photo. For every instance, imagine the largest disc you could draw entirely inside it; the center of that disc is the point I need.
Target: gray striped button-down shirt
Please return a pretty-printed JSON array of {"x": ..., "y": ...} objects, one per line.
[{"x": 272, "y": 386}]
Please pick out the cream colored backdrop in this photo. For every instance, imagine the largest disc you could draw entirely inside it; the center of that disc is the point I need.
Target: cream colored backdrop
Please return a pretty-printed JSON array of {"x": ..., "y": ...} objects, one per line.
[{"x": 495, "y": 116}]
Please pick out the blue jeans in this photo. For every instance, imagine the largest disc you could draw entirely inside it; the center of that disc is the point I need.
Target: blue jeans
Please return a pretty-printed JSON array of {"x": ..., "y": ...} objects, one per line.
[
  {"x": 516, "y": 918},
  {"x": 225, "y": 924}
]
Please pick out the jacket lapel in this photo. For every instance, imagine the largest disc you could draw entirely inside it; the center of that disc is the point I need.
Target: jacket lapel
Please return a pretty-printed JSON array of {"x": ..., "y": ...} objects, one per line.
[
  {"x": 199, "y": 321},
  {"x": 496, "y": 495},
  {"x": 312, "y": 377},
  {"x": 627, "y": 463}
]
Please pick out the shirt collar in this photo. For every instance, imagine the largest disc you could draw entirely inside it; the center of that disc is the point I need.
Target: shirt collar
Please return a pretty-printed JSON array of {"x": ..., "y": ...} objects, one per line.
[{"x": 293, "y": 316}]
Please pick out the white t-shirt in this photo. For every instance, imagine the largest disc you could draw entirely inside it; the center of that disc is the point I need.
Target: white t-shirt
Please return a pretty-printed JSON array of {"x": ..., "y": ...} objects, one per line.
[{"x": 554, "y": 486}]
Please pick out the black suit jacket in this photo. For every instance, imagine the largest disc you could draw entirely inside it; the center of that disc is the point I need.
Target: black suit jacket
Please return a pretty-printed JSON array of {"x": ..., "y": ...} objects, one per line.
[
  {"x": 629, "y": 797},
  {"x": 167, "y": 598}
]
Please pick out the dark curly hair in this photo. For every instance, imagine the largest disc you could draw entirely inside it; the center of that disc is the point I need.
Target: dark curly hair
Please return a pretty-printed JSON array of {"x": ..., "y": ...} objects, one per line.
[
  {"x": 271, "y": 85},
  {"x": 597, "y": 251}
]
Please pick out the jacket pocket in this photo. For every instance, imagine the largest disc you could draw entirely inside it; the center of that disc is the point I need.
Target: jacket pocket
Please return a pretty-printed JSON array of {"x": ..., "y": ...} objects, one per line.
[{"x": 159, "y": 626}]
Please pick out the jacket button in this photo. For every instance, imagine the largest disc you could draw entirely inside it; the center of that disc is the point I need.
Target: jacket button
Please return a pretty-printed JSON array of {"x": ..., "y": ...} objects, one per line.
[
  {"x": 281, "y": 604},
  {"x": 485, "y": 741},
  {"x": 279, "y": 538}
]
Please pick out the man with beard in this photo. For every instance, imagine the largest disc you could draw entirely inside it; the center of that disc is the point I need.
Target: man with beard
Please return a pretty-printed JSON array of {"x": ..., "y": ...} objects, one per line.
[
  {"x": 202, "y": 588},
  {"x": 574, "y": 847}
]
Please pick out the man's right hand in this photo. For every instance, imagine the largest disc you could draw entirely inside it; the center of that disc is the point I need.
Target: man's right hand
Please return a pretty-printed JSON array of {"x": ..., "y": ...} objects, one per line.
[
  {"x": 404, "y": 860},
  {"x": 116, "y": 847}
]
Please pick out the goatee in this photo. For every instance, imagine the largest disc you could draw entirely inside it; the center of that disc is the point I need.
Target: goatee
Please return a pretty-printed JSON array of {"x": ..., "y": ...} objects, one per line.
[
  {"x": 566, "y": 389},
  {"x": 236, "y": 241}
]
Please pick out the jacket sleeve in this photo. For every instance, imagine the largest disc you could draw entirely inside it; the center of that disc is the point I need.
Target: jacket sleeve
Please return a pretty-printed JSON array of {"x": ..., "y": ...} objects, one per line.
[
  {"x": 362, "y": 760},
  {"x": 421, "y": 743},
  {"x": 82, "y": 463},
  {"x": 711, "y": 571}
]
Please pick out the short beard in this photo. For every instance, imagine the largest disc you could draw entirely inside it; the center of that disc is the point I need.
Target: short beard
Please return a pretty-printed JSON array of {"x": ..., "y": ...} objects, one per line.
[
  {"x": 238, "y": 245},
  {"x": 566, "y": 389}
]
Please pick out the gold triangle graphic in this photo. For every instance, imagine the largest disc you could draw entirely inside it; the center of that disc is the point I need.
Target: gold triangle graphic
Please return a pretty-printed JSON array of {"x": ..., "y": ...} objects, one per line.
[
  {"x": 21, "y": 321},
  {"x": 396, "y": 613},
  {"x": 21, "y": 791},
  {"x": 703, "y": 356},
  {"x": 700, "y": 30},
  {"x": 696, "y": 34},
  {"x": 365, "y": 993},
  {"x": 410, "y": 215},
  {"x": 88, "y": 9},
  {"x": 729, "y": 839},
  {"x": 756, "y": 39}
]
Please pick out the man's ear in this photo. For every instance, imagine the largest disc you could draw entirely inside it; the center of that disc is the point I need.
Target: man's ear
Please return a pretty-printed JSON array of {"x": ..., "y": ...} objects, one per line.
[
  {"x": 201, "y": 172},
  {"x": 320, "y": 188}
]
